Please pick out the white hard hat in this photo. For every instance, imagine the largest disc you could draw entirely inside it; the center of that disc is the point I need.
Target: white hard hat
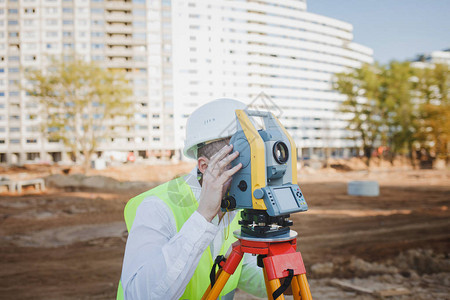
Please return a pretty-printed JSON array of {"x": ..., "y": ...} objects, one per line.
[{"x": 211, "y": 121}]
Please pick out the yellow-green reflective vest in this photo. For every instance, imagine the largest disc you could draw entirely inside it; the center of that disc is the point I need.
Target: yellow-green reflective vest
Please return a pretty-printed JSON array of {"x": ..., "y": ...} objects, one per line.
[{"x": 179, "y": 197}]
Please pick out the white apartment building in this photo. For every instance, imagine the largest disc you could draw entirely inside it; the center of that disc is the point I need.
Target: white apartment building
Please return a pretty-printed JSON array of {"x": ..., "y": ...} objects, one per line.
[
  {"x": 179, "y": 55},
  {"x": 435, "y": 57}
]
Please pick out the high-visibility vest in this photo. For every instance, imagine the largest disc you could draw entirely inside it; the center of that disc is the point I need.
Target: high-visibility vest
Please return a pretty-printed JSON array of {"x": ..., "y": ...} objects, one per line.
[{"x": 179, "y": 198}]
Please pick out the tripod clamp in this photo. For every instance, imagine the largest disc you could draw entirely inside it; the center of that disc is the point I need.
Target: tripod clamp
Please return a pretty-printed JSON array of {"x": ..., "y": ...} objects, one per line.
[{"x": 219, "y": 261}]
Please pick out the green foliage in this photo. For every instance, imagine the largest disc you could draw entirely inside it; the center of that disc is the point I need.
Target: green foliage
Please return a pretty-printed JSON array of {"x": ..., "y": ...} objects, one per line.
[
  {"x": 432, "y": 88},
  {"x": 397, "y": 106},
  {"x": 80, "y": 103},
  {"x": 365, "y": 106}
]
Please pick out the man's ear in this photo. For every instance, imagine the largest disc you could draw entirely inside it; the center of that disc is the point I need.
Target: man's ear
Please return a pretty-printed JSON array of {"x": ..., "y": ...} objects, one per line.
[{"x": 202, "y": 164}]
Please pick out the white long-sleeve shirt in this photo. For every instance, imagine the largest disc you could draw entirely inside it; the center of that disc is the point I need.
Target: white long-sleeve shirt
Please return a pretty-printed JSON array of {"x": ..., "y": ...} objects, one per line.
[{"x": 159, "y": 261}]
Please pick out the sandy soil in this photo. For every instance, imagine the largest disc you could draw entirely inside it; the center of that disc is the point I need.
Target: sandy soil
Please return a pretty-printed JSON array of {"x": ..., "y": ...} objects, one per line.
[{"x": 69, "y": 245}]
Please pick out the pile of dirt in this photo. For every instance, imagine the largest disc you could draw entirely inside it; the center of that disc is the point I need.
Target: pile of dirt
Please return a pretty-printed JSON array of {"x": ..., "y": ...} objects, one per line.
[
  {"x": 413, "y": 261},
  {"x": 80, "y": 182},
  {"x": 418, "y": 272}
]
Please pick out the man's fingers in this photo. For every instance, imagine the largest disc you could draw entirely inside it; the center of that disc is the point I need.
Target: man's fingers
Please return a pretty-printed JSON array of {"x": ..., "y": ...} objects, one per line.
[
  {"x": 227, "y": 160},
  {"x": 221, "y": 154},
  {"x": 227, "y": 174}
]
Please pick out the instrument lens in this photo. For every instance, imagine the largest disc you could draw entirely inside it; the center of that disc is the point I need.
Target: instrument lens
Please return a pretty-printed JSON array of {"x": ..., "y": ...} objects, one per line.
[{"x": 280, "y": 152}]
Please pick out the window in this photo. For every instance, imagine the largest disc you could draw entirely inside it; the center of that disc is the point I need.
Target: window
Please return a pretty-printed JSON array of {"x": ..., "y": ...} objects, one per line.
[
  {"x": 97, "y": 23},
  {"x": 139, "y": 13},
  {"x": 13, "y": 11},
  {"x": 29, "y": 22},
  {"x": 14, "y": 129},
  {"x": 96, "y": 10},
  {"x": 67, "y": 10},
  {"x": 14, "y": 141},
  {"x": 67, "y": 33},
  {"x": 30, "y": 34},
  {"x": 30, "y": 46},
  {"x": 13, "y": 70},
  {"x": 14, "y": 58},
  {"x": 139, "y": 36},
  {"x": 98, "y": 46},
  {"x": 67, "y": 46},
  {"x": 51, "y": 10},
  {"x": 51, "y": 34},
  {"x": 2, "y": 70},
  {"x": 139, "y": 24},
  {"x": 51, "y": 22},
  {"x": 29, "y": 10},
  {"x": 98, "y": 58},
  {"x": 97, "y": 34},
  {"x": 82, "y": 22},
  {"x": 29, "y": 58},
  {"x": 13, "y": 22},
  {"x": 31, "y": 141},
  {"x": 32, "y": 129},
  {"x": 14, "y": 94},
  {"x": 13, "y": 34},
  {"x": 67, "y": 22}
]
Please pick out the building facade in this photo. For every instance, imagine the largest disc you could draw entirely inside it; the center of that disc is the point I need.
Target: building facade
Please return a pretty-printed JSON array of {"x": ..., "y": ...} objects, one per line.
[
  {"x": 435, "y": 57},
  {"x": 179, "y": 55}
]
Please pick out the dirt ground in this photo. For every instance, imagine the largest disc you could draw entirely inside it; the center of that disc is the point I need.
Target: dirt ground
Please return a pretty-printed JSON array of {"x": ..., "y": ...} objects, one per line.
[{"x": 61, "y": 244}]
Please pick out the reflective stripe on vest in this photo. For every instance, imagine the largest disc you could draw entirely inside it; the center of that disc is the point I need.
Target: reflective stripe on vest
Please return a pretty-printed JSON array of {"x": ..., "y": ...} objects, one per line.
[{"x": 179, "y": 198}]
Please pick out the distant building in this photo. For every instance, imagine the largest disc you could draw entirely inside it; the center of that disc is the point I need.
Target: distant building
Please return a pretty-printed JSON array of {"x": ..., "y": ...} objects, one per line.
[
  {"x": 180, "y": 55},
  {"x": 435, "y": 57}
]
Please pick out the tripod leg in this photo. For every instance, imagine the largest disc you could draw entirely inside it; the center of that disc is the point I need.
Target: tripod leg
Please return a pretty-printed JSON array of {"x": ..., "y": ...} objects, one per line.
[
  {"x": 274, "y": 285},
  {"x": 296, "y": 288},
  {"x": 268, "y": 290},
  {"x": 218, "y": 286},
  {"x": 209, "y": 287},
  {"x": 304, "y": 287}
]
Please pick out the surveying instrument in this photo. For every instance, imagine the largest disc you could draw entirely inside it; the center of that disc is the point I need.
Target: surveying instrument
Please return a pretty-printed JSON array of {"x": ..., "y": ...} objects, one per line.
[{"x": 267, "y": 191}]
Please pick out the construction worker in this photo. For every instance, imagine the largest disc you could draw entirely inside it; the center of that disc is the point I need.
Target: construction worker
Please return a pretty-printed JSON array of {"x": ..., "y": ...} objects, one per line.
[{"x": 177, "y": 229}]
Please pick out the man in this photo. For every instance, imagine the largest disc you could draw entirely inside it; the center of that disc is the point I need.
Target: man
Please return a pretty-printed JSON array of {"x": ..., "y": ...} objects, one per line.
[{"x": 178, "y": 228}]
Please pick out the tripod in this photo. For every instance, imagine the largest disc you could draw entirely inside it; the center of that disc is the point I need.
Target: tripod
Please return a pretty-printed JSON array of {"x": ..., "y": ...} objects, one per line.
[{"x": 277, "y": 257}]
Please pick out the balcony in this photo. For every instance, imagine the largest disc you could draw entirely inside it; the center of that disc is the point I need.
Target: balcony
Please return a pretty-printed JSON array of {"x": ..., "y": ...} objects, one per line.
[
  {"x": 118, "y": 17},
  {"x": 119, "y": 40},
  {"x": 118, "y": 5},
  {"x": 119, "y": 64},
  {"x": 119, "y": 28},
  {"x": 116, "y": 51}
]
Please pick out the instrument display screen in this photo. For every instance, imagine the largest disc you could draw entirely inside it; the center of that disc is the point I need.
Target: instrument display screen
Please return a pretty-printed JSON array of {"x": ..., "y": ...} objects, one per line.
[{"x": 285, "y": 198}]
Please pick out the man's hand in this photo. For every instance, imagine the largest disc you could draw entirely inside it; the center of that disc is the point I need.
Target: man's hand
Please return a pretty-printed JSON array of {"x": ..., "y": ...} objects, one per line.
[{"x": 216, "y": 180}]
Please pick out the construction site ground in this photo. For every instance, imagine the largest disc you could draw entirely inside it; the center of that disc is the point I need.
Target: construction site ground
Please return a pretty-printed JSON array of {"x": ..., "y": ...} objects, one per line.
[{"x": 69, "y": 243}]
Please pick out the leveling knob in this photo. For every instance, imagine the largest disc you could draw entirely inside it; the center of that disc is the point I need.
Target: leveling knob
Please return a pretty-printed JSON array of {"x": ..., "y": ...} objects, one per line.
[{"x": 228, "y": 203}]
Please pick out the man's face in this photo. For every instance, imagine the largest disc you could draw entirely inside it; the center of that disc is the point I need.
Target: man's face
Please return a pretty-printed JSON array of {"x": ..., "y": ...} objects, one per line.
[{"x": 206, "y": 152}]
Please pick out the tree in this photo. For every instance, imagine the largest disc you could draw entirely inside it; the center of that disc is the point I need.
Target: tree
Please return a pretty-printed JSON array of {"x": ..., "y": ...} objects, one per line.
[
  {"x": 432, "y": 90},
  {"x": 365, "y": 104},
  {"x": 80, "y": 103},
  {"x": 402, "y": 111}
]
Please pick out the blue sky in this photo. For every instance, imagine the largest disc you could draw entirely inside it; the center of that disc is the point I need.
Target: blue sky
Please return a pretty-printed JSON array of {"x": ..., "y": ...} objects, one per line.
[{"x": 394, "y": 29}]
